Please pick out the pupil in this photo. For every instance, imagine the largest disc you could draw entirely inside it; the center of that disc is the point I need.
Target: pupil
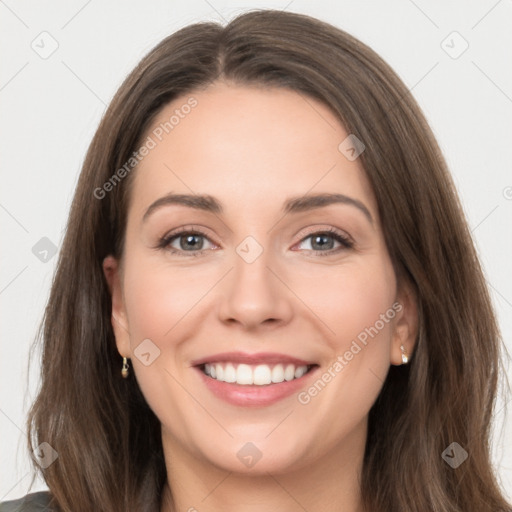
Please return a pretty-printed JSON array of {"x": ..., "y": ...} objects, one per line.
[
  {"x": 191, "y": 242},
  {"x": 322, "y": 242}
]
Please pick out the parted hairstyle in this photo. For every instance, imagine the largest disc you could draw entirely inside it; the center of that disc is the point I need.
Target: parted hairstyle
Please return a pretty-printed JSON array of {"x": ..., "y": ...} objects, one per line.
[{"x": 108, "y": 440}]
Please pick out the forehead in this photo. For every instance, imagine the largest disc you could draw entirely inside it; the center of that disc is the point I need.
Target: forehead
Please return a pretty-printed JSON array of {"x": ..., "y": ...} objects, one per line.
[{"x": 247, "y": 145}]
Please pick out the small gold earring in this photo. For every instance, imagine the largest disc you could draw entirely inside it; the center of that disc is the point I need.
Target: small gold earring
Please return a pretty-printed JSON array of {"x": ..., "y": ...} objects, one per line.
[
  {"x": 125, "y": 370},
  {"x": 405, "y": 357}
]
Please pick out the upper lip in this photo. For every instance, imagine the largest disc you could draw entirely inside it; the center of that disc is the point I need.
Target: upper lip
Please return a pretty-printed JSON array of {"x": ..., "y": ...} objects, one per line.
[{"x": 252, "y": 359}]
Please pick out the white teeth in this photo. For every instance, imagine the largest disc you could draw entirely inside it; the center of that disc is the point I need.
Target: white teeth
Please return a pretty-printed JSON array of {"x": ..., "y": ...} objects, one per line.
[
  {"x": 229, "y": 373},
  {"x": 278, "y": 373},
  {"x": 259, "y": 375},
  {"x": 219, "y": 371},
  {"x": 300, "y": 371},
  {"x": 262, "y": 375},
  {"x": 244, "y": 374},
  {"x": 289, "y": 372}
]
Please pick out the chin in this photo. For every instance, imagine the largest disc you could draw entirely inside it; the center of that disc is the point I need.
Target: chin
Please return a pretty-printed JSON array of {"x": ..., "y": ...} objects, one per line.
[{"x": 258, "y": 457}]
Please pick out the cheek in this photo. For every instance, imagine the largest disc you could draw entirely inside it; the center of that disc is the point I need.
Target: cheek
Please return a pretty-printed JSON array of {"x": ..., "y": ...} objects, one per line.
[
  {"x": 158, "y": 298},
  {"x": 357, "y": 304},
  {"x": 364, "y": 333},
  {"x": 354, "y": 302},
  {"x": 160, "y": 305}
]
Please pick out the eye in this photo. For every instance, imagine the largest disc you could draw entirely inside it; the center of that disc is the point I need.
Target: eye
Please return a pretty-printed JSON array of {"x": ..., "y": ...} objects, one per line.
[
  {"x": 327, "y": 242},
  {"x": 192, "y": 242}
]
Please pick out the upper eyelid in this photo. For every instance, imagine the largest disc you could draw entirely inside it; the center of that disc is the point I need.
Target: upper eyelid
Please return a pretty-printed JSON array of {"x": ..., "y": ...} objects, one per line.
[
  {"x": 330, "y": 230},
  {"x": 190, "y": 228},
  {"x": 198, "y": 231}
]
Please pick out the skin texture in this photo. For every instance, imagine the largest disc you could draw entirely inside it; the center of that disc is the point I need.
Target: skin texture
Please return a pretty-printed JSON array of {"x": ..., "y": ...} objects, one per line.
[{"x": 252, "y": 148}]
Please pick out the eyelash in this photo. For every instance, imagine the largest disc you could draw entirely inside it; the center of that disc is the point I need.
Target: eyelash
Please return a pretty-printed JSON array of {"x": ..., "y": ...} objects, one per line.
[{"x": 164, "y": 242}]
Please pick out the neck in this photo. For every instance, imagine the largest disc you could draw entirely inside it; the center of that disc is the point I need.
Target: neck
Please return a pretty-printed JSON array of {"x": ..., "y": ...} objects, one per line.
[{"x": 330, "y": 485}]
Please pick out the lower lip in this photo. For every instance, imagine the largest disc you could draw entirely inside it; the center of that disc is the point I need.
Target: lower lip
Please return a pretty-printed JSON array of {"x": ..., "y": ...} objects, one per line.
[{"x": 251, "y": 395}]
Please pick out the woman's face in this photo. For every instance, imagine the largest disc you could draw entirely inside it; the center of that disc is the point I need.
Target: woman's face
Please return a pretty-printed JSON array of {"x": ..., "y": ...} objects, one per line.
[{"x": 254, "y": 252}]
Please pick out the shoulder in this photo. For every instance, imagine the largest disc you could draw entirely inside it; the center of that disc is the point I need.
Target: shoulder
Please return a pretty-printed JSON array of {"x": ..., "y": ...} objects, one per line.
[{"x": 34, "y": 502}]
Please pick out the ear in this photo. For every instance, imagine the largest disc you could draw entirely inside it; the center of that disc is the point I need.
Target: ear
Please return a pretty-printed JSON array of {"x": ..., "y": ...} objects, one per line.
[
  {"x": 113, "y": 275},
  {"x": 405, "y": 324}
]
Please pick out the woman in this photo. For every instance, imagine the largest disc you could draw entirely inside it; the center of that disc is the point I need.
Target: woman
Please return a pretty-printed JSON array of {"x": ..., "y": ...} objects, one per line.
[{"x": 267, "y": 297}]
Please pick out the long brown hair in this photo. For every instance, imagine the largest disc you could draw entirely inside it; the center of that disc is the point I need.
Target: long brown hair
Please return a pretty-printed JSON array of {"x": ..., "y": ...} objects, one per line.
[{"x": 107, "y": 437}]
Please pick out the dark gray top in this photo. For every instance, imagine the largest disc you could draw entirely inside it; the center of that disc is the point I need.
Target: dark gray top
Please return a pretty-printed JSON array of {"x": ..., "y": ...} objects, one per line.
[{"x": 34, "y": 502}]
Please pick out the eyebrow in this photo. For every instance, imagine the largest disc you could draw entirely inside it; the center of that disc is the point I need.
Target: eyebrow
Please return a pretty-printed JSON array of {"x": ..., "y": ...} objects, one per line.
[{"x": 293, "y": 205}]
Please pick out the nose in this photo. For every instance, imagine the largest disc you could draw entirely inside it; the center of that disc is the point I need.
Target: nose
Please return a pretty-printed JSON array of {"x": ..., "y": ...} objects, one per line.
[{"x": 255, "y": 296}]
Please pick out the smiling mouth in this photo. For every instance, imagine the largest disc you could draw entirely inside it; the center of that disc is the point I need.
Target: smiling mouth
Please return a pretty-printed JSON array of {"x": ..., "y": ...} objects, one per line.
[{"x": 255, "y": 375}]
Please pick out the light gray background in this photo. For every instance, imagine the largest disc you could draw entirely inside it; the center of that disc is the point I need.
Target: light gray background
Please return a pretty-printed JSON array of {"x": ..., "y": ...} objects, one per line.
[{"x": 51, "y": 108}]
